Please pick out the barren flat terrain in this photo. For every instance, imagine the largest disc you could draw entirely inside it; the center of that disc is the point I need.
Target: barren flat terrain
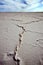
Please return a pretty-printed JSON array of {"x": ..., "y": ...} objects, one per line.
[{"x": 31, "y": 50}]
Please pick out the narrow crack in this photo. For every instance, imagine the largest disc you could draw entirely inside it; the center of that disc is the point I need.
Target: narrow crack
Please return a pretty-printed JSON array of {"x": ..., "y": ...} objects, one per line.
[
  {"x": 37, "y": 20},
  {"x": 16, "y": 20},
  {"x": 32, "y": 22},
  {"x": 34, "y": 31}
]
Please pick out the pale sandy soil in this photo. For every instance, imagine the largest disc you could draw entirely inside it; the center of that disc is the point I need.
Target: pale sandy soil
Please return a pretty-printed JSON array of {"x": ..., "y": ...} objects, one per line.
[{"x": 32, "y": 43}]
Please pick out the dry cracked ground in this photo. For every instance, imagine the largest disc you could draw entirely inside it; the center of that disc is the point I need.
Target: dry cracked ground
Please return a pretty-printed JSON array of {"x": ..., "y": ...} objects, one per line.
[{"x": 31, "y": 50}]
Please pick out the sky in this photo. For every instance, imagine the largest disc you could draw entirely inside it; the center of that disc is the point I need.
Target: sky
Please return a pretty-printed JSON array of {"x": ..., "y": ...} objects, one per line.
[{"x": 21, "y": 5}]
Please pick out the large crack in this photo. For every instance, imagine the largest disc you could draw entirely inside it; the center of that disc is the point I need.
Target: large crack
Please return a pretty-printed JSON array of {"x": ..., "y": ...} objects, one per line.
[{"x": 15, "y": 56}]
